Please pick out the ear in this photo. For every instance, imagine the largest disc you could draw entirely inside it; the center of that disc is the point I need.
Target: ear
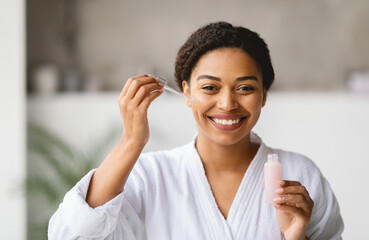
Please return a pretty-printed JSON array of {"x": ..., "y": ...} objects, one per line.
[
  {"x": 186, "y": 90},
  {"x": 265, "y": 96}
]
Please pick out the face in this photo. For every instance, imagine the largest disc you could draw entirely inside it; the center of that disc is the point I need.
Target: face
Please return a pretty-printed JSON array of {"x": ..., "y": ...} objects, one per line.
[{"x": 227, "y": 84}]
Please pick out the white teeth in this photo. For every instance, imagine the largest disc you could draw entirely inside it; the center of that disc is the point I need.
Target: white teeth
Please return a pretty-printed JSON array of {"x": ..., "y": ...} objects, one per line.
[{"x": 226, "y": 122}]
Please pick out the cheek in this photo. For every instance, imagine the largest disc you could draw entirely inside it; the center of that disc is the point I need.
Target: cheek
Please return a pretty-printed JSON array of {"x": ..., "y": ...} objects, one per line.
[
  {"x": 203, "y": 101},
  {"x": 201, "y": 107},
  {"x": 254, "y": 104},
  {"x": 257, "y": 104}
]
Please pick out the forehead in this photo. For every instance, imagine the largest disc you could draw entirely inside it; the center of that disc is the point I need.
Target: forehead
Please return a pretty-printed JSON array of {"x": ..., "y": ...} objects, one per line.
[{"x": 226, "y": 61}]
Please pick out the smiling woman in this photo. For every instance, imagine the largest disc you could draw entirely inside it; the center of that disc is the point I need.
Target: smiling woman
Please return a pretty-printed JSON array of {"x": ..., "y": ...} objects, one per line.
[
  {"x": 212, "y": 187},
  {"x": 225, "y": 83}
]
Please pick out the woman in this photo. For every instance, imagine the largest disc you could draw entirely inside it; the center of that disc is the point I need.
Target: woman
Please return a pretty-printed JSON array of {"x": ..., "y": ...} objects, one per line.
[{"x": 211, "y": 188}]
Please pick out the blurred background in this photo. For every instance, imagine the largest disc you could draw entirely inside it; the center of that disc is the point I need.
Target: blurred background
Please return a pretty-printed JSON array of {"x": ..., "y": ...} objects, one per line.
[{"x": 64, "y": 62}]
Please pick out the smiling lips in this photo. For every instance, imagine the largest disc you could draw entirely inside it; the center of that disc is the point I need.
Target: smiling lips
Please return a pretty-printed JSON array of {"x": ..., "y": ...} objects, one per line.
[{"x": 227, "y": 122}]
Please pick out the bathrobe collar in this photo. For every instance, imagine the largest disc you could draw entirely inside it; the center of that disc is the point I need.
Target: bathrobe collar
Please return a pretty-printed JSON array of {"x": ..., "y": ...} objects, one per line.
[{"x": 241, "y": 208}]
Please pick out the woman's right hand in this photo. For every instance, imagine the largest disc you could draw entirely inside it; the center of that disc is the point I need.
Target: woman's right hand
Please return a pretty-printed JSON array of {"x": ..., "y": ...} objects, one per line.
[
  {"x": 111, "y": 176},
  {"x": 134, "y": 100}
]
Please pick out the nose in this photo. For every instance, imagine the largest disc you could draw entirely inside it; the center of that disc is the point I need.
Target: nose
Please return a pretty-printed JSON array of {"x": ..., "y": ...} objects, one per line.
[{"x": 227, "y": 101}]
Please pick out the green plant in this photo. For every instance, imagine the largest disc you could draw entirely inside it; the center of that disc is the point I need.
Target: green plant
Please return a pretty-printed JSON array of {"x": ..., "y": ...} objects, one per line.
[{"x": 54, "y": 167}]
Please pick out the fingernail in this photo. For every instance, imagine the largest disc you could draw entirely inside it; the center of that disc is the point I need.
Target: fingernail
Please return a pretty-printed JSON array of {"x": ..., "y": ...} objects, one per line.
[
  {"x": 150, "y": 75},
  {"x": 282, "y": 183},
  {"x": 160, "y": 82},
  {"x": 279, "y": 190},
  {"x": 277, "y": 199}
]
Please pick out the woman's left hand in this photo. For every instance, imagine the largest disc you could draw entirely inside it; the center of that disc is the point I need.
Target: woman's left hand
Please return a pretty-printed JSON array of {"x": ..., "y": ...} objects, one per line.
[{"x": 294, "y": 208}]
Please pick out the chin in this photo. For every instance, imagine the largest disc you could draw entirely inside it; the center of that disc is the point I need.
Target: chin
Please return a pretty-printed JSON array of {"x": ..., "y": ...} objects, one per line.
[{"x": 227, "y": 139}]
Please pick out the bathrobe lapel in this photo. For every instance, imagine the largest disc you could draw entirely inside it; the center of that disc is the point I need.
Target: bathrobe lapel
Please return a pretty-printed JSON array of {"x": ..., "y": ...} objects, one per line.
[
  {"x": 216, "y": 227},
  {"x": 249, "y": 215}
]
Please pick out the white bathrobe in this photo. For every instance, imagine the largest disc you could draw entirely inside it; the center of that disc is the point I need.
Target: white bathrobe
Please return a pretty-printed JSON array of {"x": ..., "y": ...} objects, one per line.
[{"x": 167, "y": 196}]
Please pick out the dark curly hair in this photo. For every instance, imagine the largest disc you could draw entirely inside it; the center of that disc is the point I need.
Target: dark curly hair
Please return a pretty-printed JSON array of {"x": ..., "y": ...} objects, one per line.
[{"x": 219, "y": 35}]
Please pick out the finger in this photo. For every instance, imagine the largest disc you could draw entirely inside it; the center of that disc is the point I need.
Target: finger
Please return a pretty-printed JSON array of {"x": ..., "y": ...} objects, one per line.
[
  {"x": 149, "y": 99},
  {"x": 286, "y": 183},
  {"x": 291, "y": 187},
  {"x": 299, "y": 189},
  {"x": 125, "y": 88},
  {"x": 283, "y": 184},
  {"x": 294, "y": 190},
  {"x": 136, "y": 84},
  {"x": 297, "y": 200},
  {"x": 156, "y": 78},
  {"x": 129, "y": 82},
  {"x": 291, "y": 209},
  {"x": 140, "y": 76},
  {"x": 145, "y": 91}
]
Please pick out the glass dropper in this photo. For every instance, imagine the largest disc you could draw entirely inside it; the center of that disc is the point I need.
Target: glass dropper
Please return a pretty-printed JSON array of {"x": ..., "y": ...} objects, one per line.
[{"x": 172, "y": 90}]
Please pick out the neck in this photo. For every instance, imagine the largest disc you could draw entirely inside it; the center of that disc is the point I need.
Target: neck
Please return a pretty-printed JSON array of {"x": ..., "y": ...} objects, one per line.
[{"x": 226, "y": 158}]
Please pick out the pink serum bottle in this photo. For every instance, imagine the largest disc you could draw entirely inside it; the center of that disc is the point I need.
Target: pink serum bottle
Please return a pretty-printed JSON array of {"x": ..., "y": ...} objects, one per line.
[{"x": 272, "y": 175}]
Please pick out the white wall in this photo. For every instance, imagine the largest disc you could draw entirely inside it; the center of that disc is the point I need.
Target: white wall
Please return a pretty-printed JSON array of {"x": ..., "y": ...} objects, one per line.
[
  {"x": 329, "y": 127},
  {"x": 12, "y": 119}
]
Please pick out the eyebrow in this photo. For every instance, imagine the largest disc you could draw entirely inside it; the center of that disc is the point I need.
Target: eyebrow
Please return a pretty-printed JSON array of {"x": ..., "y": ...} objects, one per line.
[{"x": 239, "y": 79}]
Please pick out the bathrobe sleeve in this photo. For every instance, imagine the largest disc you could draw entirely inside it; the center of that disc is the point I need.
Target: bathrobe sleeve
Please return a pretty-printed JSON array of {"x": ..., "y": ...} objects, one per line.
[
  {"x": 120, "y": 218},
  {"x": 326, "y": 222}
]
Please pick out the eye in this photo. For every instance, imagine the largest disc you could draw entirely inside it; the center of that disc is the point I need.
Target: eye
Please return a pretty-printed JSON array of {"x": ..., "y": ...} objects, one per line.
[
  {"x": 245, "y": 89},
  {"x": 208, "y": 88}
]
